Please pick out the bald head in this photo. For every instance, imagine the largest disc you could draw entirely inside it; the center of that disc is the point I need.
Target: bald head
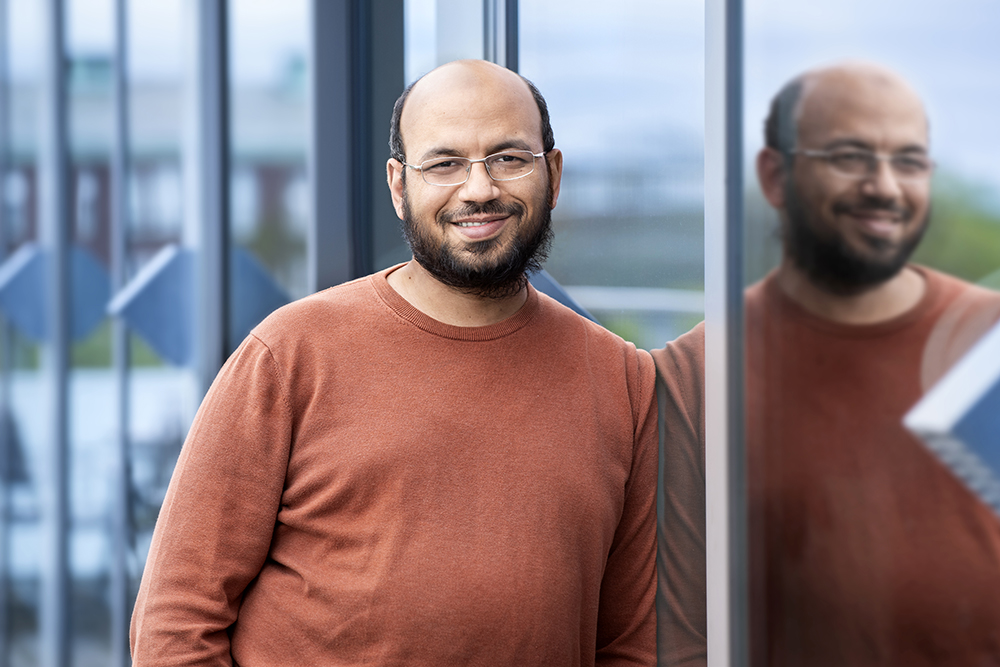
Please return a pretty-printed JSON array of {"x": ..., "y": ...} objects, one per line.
[
  {"x": 468, "y": 82},
  {"x": 817, "y": 98}
]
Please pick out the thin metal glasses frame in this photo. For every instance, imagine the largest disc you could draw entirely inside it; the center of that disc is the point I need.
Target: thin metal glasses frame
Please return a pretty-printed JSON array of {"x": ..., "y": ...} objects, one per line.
[{"x": 468, "y": 168}]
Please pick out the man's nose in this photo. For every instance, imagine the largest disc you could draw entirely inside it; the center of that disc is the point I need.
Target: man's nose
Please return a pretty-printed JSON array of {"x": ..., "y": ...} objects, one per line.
[
  {"x": 882, "y": 182},
  {"x": 480, "y": 186}
]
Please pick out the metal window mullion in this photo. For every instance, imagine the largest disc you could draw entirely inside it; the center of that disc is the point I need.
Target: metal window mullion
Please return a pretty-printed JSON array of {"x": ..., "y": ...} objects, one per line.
[
  {"x": 121, "y": 602},
  {"x": 55, "y": 234},
  {"x": 331, "y": 141},
  {"x": 6, "y": 358},
  {"x": 726, "y": 536},
  {"x": 211, "y": 188},
  {"x": 510, "y": 35},
  {"x": 500, "y": 32}
]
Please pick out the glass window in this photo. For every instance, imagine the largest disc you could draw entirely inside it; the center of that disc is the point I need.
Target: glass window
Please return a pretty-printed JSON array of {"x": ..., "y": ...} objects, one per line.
[
  {"x": 864, "y": 546},
  {"x": 23, "y": 389},
  {"x": 624, "y": 85},
  {"x": 269, "y": 123}
]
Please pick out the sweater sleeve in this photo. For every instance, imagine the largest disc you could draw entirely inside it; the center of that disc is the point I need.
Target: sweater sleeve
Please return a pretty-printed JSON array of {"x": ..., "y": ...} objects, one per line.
[
  {"x": 680, "y": 597},
  {"x": 626, "y": 632},
  {"x": 214, "y": 530}
]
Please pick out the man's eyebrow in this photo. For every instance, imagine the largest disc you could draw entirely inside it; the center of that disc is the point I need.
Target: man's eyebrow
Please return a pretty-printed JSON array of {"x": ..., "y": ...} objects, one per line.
[
  {"x": 515, "y": 144},
  {"x": 439, "y": 151},
  {"x": 446, "y": 151},
  {"x": 864, "y": 145}
]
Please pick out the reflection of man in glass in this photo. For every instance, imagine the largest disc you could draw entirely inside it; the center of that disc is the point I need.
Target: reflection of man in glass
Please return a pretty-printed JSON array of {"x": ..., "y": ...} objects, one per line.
[
  {"x": 864, "y": 549},
  {"x": 433, "y": 465}
]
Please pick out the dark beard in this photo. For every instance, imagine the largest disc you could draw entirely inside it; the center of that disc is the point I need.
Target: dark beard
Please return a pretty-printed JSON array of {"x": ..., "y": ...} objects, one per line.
[
  {"x": 833, "y": 265},
  {"x": 499, "y": 276}
]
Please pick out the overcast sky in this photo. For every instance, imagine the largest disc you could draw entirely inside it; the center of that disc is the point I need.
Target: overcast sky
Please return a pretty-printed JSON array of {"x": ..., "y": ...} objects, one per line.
[{"x": 625, "y": 77}]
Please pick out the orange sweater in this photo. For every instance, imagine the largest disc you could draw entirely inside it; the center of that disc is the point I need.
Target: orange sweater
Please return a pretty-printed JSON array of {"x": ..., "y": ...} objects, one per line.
[
  {"x": 865, "y": 550},
  {"x": 366, "y": 485}
]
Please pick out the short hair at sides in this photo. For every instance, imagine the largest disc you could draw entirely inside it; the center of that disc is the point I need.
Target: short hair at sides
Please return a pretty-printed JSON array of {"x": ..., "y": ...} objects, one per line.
[
  {"x": 397, "y": 151},
  {"x": 781, "y": 128}
]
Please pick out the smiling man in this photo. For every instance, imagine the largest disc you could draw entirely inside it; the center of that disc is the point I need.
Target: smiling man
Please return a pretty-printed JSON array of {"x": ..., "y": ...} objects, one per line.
[
  {"x": 434, "y": 465},
  {"x": 864, "y": 549}
]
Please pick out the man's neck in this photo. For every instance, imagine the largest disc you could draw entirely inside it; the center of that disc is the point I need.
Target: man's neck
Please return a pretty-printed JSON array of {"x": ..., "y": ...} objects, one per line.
[
  {"x": 878, "y": 304},
  {"x": 449, "y": 305}
]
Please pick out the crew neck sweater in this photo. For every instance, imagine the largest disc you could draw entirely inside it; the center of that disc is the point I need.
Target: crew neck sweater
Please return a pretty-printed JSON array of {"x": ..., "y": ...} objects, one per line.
[
  {"x": 864, "y": 548},
  {"x": 366, "y": 485}
]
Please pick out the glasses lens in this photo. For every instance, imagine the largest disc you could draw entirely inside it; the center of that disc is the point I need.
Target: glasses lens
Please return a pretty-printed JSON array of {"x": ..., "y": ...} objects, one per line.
[
  {"x": 510, "y": 165},
  {"x": 445, "y": 171},
  {"x": 913, "y": 167},
  {"x": 853, "y": 163}
]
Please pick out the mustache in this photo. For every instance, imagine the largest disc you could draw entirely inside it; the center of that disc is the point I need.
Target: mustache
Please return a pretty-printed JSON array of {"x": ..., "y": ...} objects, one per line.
[
  {"x": 874, "y": 205},
  {"x": 492, "y": 207}
]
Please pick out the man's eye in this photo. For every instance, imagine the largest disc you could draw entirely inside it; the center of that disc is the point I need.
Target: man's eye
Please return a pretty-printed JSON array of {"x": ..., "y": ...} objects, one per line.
[
  {"x": 509, "y": 159},
  {"x": 851, "y": 159},
  {"x": 444, "y": 166},
  {"x": 910, "y": 164}
]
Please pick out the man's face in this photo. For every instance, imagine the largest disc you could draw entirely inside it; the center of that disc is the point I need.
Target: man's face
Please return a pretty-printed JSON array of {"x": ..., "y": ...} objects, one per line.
[
  {"x": 849, "y": 234},
  {"x": 481, "y": 236}
]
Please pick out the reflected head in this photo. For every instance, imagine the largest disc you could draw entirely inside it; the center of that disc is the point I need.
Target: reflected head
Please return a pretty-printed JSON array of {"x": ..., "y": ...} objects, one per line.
[{"x": 847, "y": 166}]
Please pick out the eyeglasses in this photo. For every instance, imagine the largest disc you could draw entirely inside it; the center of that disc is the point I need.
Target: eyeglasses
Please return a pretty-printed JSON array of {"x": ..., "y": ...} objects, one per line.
[
  {"x": 858, "y": 163},
  {"x": 506, "y": 166}
]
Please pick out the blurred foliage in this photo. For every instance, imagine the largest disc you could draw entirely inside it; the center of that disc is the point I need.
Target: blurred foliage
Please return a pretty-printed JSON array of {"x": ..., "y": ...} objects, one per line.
[
  {"x": 95, "y": 350},
  {"x": 963, "y": 238},
  {"x": 964, "y": 235}
]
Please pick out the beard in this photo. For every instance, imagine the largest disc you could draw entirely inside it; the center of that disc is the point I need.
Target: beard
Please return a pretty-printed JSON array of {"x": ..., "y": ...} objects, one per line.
[
  {"x": 482, "y": 268},
  {"x": 830, "y": 262}
]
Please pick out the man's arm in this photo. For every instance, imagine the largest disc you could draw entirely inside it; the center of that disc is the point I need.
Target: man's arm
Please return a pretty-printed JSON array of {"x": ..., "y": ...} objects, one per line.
[
  {"x": 680, "y": 596},
  {"x": 214, "y": 529},
  {"x": 626, "y": 629}
]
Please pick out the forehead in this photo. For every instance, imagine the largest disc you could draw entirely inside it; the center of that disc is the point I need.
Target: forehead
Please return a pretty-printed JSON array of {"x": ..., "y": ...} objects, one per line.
[
  {"x": 469, "y": 109},
  {"x": 873, "y": 108}
]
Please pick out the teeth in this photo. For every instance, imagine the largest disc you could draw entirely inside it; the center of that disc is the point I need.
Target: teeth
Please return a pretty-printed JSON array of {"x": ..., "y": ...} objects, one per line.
[{"x": 472, "y": 224}]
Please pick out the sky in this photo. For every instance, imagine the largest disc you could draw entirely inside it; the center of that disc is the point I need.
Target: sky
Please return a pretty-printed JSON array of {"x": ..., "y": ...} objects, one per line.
[{"x": 625, "y": 78}]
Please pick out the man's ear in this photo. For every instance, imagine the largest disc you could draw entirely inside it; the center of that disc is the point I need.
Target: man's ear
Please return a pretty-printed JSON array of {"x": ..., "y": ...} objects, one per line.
[
  {"x": 394, "y": 177},
  {"x": 554, "y": 163},
  {"x": 771, "y": 173}
]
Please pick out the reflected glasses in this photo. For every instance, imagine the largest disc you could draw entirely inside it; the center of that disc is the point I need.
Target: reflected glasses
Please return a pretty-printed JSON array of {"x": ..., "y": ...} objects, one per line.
[
  {"x": 858, "y": 163},
  {"x": 505, "y": 166}
]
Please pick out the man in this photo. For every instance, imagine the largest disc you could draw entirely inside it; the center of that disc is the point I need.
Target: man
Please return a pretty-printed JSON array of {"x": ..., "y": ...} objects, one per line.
[
  {"x": 433, "y": 465},
  {"x": 864, "y": 549}
]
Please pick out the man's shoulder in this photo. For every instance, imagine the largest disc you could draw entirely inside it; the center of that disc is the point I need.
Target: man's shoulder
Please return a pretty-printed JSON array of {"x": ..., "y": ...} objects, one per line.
[
  {"x": 950, "y": 288},
  {"x": 685, "y": 355},
  {"x": 564, "y": 324},
  {"x": 325, "y": 310}
]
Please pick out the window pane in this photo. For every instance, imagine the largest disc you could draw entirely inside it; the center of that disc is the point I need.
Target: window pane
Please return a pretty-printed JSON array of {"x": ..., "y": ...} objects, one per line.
[
  {"x": 625, "y": 93},
  {"x": 865, "y": 547},
  {"x": 24, "y": 402}
]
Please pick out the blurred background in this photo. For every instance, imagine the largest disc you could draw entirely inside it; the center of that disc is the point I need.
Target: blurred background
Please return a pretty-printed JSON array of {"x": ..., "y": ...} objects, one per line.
[{"x": 172, "y": 170}]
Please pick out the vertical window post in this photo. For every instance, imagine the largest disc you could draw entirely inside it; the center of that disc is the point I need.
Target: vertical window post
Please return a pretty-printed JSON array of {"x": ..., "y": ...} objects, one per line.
[
  {"x": 726, "y": 530},
  {"x": 54, "y": 234}
]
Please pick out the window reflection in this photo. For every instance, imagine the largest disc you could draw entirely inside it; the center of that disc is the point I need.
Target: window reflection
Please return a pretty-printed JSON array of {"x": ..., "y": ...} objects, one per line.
[
  {"x": 625, "y": 90},
  {"x": 864, "y": 547}
]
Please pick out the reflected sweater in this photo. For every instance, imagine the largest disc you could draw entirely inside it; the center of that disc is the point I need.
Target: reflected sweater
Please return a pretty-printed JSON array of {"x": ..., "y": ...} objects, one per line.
[
  {"x": 865, "y": 550},
  {"x": 366, "y": 485}
]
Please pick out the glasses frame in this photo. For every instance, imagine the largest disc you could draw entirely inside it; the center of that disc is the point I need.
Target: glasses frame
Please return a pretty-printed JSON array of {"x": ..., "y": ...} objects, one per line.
[
  {"x": 468, "y": 171},
  {"x": 827, "y": 156}
]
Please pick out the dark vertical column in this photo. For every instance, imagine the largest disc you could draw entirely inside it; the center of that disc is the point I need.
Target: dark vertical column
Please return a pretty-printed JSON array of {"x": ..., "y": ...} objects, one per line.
[
  {"x": 55, "y": 237},
  {"x": 211, "y": 276},
  {"x": 121, "y": 598},
  {"x": 510, "y": 38},
  {"x": 725, "y": 456},
  {"x": 355, "y": 75},
  {"x": 6, "y": 359}
]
